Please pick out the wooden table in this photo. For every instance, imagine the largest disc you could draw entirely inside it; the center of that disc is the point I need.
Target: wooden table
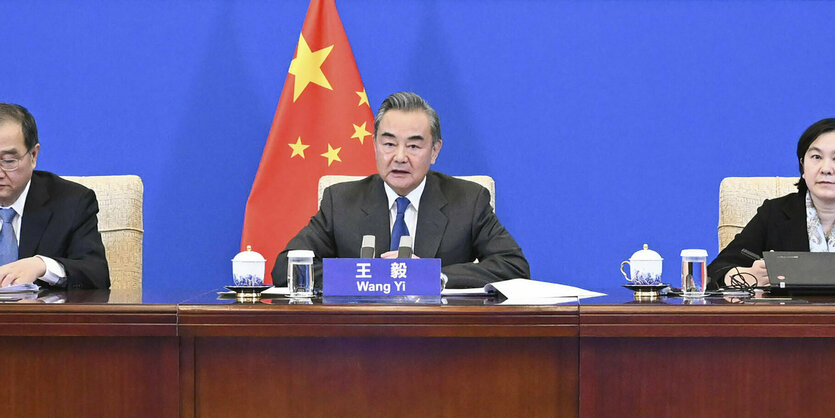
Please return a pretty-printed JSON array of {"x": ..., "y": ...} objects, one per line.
[
  {"x": 718, "y": 359},
  {"x": 200, "y": 356},
  {"x": 88, "y": 358},
  {"x": 380, "y": 360}
]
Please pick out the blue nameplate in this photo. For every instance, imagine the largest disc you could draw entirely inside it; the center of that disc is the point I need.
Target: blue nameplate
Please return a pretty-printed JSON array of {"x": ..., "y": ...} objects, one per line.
[{"x": 381, "y": 276}]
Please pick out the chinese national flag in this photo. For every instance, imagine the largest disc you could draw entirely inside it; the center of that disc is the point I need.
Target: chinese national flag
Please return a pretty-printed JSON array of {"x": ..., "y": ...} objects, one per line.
[{"x": 323, "y": 125}]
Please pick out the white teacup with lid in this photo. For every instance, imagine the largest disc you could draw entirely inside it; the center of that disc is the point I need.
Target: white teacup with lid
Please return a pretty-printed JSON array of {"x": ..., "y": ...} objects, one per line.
[
  {"x": 248, "y": 268},
  {"x": 644, "y": 267}
]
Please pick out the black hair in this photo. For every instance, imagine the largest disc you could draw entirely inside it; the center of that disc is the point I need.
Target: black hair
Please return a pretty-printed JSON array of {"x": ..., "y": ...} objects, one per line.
[
  {"x": 812, "y": 133},
  {"x": 19, "y": 114}
]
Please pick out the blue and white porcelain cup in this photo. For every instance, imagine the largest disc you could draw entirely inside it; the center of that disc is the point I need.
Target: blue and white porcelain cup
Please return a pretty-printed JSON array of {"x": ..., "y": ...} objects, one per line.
[
  {"x": 644, "y": 267},
  {"x": 248, "y": 268}
]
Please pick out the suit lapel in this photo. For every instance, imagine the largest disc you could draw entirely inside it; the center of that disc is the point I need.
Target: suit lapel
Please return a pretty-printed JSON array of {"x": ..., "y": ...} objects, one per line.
[
  {"x": 36, "y": 216},
  {"x": 375, "y": 219},
  {"x": 431, "y": 222},
  {"x": 792, "y": 229}
]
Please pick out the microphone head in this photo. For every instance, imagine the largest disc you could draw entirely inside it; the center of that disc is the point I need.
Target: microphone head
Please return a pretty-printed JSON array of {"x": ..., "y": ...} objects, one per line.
[
  {"x": 405, "y": 250},
  {"x": 368, "y": 241},
  {"x": 368, "y": 246}
]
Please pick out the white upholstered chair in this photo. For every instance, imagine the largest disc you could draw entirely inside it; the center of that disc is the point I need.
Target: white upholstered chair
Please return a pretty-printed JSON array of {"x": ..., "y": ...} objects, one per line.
[
  {"x": 739, "y": 198},
  {"x": 120, "y": 224},
  {"x": 486, "y": 181}
]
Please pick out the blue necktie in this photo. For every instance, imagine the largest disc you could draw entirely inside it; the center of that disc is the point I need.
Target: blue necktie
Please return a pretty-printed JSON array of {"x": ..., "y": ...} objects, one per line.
[
  {"x": 8, "y": 242},
  {"x": 399, "y": 229}
]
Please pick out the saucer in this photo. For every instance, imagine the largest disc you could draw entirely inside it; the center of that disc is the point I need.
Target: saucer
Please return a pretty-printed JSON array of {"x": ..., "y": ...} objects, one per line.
[
  {"x": 248, "y": 292},
  {"x": 248, "y": 289},
  {"x": 646, "y": 291}
]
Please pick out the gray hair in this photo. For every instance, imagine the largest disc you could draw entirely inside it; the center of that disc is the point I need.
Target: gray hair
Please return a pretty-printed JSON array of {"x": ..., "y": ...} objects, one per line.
[{"x": 408, "y": 101}]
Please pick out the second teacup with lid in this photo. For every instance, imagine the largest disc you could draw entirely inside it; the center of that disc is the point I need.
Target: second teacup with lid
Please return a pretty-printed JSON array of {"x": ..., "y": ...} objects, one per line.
[{"x": 644, "y": 267}]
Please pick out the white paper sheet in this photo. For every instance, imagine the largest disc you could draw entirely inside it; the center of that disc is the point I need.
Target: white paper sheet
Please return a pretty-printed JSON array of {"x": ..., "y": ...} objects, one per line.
[{"x": 527, "y": 292}]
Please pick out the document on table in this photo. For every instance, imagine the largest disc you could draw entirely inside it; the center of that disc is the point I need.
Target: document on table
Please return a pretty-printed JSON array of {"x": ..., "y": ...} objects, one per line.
[
  {"x": 19, "y": 292},
  {"x": 527, "y": 292},
  {"x": 20, "y": 288},
  {"x": 276, "y": 291}
]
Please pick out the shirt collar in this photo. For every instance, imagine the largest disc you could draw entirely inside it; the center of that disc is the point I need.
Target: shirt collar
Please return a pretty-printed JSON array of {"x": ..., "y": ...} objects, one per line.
[
  {"x": 413, "y": 196},
  {"x": 20, "y": 203}
]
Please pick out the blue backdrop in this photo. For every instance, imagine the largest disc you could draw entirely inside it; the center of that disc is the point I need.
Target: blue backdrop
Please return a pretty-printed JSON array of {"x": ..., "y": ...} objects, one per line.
[{"x": 606, "y": 124}]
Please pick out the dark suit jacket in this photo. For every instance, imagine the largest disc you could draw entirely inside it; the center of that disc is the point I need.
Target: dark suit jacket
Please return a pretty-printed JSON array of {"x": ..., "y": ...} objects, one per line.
[
  {"x": 455, "y": 223},
  {"x": 59, "y": 221},
  {"x": 779, "y": 225}
]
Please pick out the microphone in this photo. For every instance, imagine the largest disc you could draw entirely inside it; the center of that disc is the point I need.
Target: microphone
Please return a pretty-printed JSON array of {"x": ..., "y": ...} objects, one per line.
[
  {"x": 367, "y": 250},
  {"x": 405, "y": 250}
]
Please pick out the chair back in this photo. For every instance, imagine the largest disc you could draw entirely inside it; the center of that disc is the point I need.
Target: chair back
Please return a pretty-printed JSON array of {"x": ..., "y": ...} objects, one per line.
[
  {"x": 120, "y": 224},
  {"x": 739, "y": 198},
  {"x": 485, "y": 181}
]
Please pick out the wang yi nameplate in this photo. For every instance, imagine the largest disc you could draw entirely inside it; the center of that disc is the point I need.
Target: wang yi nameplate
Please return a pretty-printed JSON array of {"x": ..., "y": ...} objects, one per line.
[{"x": 381, "y": 277}]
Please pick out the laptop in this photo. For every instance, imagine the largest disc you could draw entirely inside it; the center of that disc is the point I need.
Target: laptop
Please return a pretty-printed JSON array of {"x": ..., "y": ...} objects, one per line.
[{"x": 795, "y": 272}]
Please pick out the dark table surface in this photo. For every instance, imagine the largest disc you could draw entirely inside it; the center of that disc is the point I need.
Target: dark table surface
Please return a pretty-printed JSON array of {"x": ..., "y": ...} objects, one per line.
[{"x": 614, "y": 295}]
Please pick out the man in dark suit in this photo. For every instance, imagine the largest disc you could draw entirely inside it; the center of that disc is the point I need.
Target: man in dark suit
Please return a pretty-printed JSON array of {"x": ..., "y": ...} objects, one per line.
[
  {"x": 448, "y": 218},
  {"x": 53, "y": 220}
]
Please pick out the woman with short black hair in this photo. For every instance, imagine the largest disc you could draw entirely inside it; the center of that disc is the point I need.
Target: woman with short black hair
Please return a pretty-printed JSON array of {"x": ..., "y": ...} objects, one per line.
[{"x": 800, "y": 221}]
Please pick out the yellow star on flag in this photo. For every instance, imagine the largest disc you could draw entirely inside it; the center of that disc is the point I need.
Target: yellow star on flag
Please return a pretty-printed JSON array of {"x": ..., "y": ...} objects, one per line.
[
  {"x": 360, "y": 132},
  {"x": 332, "y": 154},
  {"x": 298, "y": 148},
  {"x": 363, "y": 98},
  {"x": 307, "y": 67}
]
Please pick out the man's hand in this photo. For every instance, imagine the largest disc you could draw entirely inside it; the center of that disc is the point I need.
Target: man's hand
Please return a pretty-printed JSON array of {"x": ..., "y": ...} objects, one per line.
[
  {"x": 22, "y": 271},
  {"x": 393, "y": 254}
]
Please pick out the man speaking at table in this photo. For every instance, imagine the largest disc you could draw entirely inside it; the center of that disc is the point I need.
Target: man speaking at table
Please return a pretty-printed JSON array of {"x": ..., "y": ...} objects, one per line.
[
  {"x": 49, "y": 229},
  {"x": 447, "y": 218}
]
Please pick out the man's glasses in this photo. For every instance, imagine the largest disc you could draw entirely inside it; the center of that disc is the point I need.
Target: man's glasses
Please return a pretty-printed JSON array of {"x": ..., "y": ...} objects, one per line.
[{"x": 12, "y": 164}]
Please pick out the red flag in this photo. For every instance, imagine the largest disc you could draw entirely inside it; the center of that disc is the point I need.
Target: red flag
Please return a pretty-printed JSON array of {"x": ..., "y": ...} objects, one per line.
[{"x": 323, "y": 125}]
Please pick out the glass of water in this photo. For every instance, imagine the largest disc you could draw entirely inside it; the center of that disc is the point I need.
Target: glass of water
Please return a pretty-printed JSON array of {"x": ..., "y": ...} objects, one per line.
[
  {"x": 300, "y": 273},
  {"x": 693, "y": 273}
]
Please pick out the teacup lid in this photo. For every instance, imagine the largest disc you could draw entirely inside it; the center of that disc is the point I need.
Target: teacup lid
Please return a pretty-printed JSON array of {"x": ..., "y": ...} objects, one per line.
[
  {"x": 645, "y": 255},
  {"x": 249, "y": 255}
]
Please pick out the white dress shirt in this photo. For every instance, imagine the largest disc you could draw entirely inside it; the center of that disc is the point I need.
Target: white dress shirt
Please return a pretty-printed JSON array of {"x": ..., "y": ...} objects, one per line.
[
  {"x": 411, "y": 211},
  {"x": 55, "y": 274}
]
